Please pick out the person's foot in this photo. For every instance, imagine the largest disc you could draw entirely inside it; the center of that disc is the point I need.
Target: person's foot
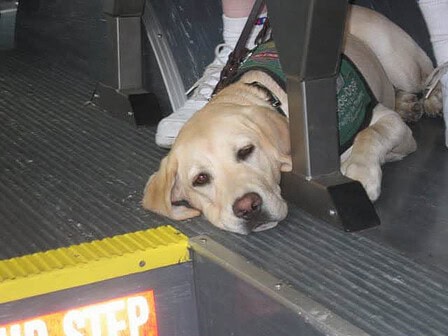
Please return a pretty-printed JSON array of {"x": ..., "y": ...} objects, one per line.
[
  {"x": 444, "y": 81},
  {"x": 437, "y": 94},
  {"x": 170, "y": 126}
]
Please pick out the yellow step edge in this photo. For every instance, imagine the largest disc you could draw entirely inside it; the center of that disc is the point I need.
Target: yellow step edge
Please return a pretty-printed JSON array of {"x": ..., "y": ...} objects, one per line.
[{"x": 87, "y": 263}]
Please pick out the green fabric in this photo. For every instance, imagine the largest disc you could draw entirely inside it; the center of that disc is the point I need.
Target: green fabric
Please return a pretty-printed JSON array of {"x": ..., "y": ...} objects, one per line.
[
  {"x": 354, "y": 97},
  {"x": 355, "y": 102},
  {"x": 264, "y": 57}
]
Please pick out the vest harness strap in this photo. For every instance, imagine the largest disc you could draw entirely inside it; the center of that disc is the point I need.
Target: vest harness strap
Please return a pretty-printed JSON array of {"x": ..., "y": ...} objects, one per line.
[
  {"x": 355, "y": 100},
  {"x": 271, "y": 98}
]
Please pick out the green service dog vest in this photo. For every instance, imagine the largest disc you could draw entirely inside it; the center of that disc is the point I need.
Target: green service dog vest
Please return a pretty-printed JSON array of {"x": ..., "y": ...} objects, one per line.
[{"x": 355, "y": 100}]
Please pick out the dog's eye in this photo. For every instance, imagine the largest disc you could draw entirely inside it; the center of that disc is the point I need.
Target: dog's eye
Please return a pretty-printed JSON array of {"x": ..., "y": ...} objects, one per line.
[
  {"x": 201, "y": 179},
  {"x": 245, "y": 152}
]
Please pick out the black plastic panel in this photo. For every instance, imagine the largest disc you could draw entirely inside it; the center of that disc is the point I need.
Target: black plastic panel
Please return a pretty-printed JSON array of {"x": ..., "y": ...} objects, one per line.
[{"x": 174, "y": 296}]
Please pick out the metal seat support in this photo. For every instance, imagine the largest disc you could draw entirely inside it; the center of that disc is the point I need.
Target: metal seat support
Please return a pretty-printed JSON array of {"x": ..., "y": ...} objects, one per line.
[
  {"x": 122, "y": 90},
  {"x": 309, "y": 35}
]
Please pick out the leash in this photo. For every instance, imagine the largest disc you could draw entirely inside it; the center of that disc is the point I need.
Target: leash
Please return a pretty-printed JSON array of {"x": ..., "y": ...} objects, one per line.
[
  {"x": 238, "y": 55},
  {"x": 240, "y": 51}
]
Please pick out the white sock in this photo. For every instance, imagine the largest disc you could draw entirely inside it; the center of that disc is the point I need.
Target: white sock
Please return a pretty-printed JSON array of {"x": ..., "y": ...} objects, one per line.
[
  {"x": 435, "y": 13},
  {"x": 233, "y": 28}
]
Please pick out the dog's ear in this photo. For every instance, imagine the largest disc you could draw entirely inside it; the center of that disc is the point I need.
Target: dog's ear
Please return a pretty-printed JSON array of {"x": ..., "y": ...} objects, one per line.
[
  {"x": 161, "y": 192},
  {"x": 275, "y": 131}
]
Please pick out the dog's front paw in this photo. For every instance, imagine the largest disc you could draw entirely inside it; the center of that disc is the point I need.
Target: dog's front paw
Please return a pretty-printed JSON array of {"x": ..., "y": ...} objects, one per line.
[{"x": 368, "y": 175}]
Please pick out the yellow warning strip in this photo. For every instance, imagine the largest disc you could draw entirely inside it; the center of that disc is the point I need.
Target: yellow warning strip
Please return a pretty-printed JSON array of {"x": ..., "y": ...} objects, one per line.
[{"x": 78, "y": 265}]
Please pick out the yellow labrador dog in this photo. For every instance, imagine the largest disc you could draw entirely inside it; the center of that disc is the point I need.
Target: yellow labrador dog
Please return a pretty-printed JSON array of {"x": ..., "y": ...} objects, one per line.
[{"x": 227, "y": 160}]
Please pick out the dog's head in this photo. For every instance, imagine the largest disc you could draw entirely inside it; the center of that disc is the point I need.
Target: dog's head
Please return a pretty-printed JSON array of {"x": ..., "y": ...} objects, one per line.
[{"x": 226, "y": 163}]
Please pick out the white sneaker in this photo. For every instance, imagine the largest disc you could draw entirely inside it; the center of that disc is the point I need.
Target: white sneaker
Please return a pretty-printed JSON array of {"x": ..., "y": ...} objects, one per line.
[
  {"x": 444, "y": 81},
  {"x": 169, "y": 127},
  {"x": 440, "y": 74}
]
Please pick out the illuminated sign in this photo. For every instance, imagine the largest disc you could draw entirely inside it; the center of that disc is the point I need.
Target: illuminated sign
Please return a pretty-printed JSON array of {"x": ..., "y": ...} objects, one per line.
[{"x": 132, "y": 315}]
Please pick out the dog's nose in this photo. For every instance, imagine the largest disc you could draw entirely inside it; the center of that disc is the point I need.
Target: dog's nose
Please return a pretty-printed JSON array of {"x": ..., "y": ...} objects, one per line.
[{"x": 247, "y": 205}]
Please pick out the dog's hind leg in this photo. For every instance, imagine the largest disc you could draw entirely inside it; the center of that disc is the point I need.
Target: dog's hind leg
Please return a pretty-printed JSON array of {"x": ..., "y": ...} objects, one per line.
[
  {"x": 411, "y": 106},
  {"x": 408, "y": 106},
  {"x": 387, "y": 138}
]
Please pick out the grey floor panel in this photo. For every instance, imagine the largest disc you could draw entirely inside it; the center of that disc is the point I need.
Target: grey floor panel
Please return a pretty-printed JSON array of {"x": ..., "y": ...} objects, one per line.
[
  {"x": 413, "y": 202},
  {"x": 72, "y": 173},
  {"x": 374, "y": 287}
]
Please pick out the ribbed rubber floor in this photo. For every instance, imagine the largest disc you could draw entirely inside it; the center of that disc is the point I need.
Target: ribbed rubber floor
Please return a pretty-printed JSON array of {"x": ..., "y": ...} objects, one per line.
[
  {"x": 69, "y": 172},
  {"x": 72, "y": 173}
]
